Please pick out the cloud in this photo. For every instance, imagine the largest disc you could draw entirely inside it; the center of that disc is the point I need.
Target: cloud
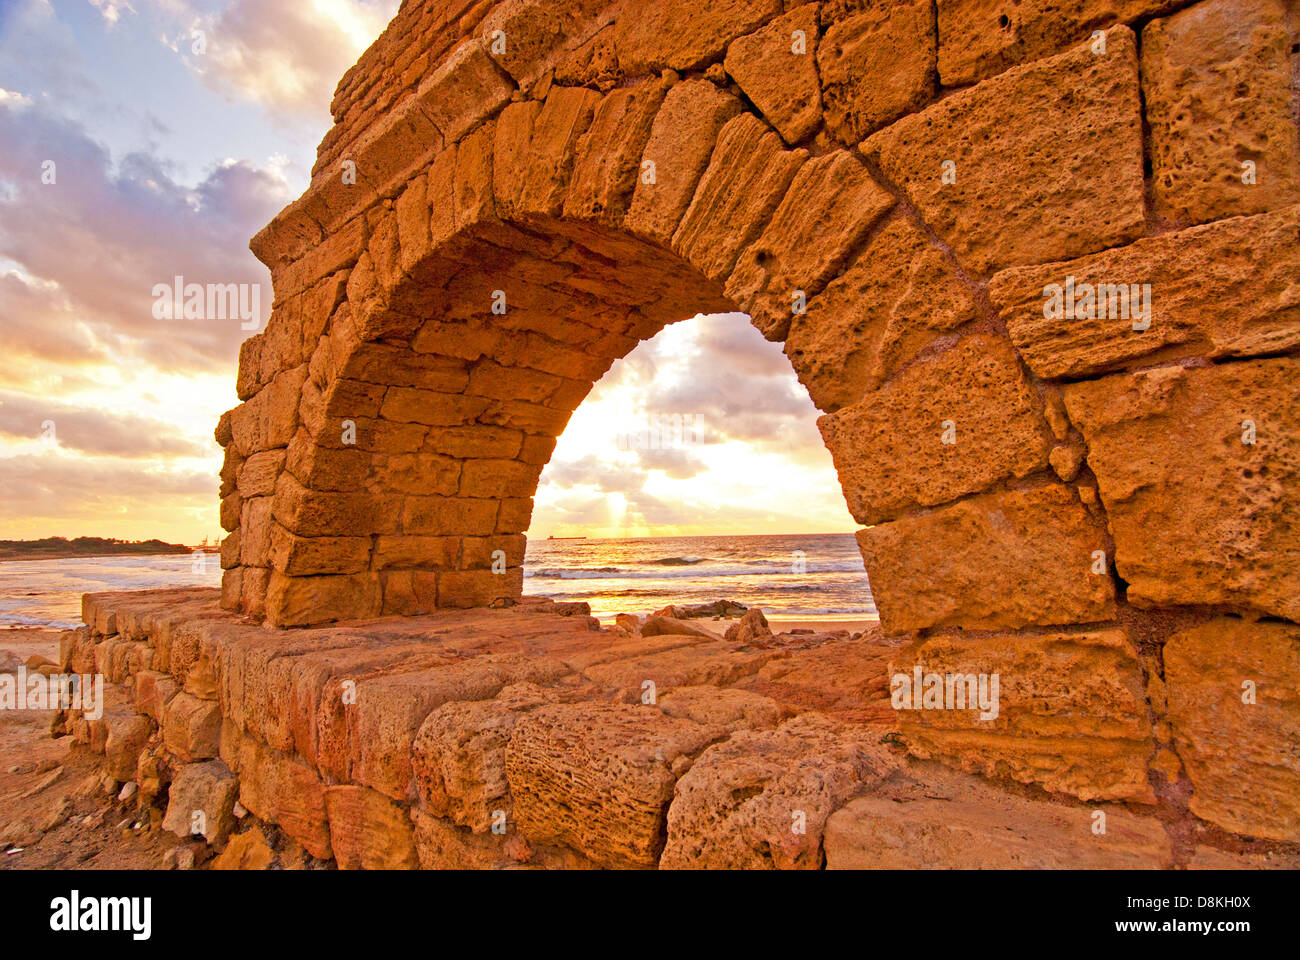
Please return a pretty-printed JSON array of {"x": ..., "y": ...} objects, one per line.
[
  {"x": 676, "y": 463},
  {"x": 740, "y": 386},
  {"x": 287, "y": 55},
  {"x": 111, "y": 10},
  {"x": 74, "y": 493},
  {"x": 95, "y": 431},
  {"x": 591, "y": 471},
  {"x": 92, "y": 244}
]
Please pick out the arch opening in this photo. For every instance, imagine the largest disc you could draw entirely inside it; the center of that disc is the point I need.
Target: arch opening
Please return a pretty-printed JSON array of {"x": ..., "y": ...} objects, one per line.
[
  {"x": 426, "y": 420},
  {"x": 694, "y": 476}
]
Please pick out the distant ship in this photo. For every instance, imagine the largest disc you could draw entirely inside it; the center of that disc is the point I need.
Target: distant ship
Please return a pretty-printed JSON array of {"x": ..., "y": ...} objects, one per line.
[{"x": 553, "y": 537}]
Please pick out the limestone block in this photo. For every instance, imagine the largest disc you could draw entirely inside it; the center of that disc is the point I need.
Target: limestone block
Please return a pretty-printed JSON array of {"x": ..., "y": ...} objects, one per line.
[
  {"x": 607, "y": 164},
  {"x": 997, "y": 560},
  {"x": 1235, "y": 712},
  {"x": 895, "y": 300},
  {"x": 979, "y": 38},
  {"x": 760, "y": 800},
  {"x": 191, "y": 727},
  {"x": 1197, "y": 469},
  {"x": 534, "y": 150},
  {"x": 297, "y": 601},
  {"x": 598, "y": 777},
  {"x": 746, "y": 179},
  {"x": 831, "y": 204},
  {"x": 876, "y": 67},
  {"x": 201, "y": 801},
  {"x": 368, "y": 831},
  {"x": 684, "y": 35},
  {"x": 1071, "y": 709},
  {"x": 681, "y": 141},
  {"x": 1063, "y": 180},
  {"x": 1222, "y": 289},
  {"x": 934, "y": 819},
  {"x": 1219, "y": 90},
  {"x": 153, "y": 691},
  {"x": 127, "y": 736},
  {"x": 777, "y": 68},
  {"x": 465, "y": 88},
  {"x": 459, "y": 757},
  {"x": 946, "y": 427}
]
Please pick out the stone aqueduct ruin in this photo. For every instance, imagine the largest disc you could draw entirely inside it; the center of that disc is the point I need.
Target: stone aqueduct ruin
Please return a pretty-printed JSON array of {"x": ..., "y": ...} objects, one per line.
[{"x": 1102, "y": 507}]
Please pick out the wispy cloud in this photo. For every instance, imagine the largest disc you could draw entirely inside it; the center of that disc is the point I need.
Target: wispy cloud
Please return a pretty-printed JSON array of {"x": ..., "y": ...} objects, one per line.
[
  {"x": 92, "y": 237},
  {"x": 287, "y": 55}
]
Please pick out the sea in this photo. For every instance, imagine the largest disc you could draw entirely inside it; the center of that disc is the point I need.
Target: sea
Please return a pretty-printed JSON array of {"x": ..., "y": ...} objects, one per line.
[{"x": 789, "y": 576}]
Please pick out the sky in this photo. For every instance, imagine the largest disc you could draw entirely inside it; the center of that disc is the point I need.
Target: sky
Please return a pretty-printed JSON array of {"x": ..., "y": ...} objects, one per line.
[{"x": 142, "y": 140}]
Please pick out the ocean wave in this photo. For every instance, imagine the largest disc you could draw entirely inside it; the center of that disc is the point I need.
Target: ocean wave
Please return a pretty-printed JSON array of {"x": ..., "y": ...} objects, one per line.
[
  {"x": 21, "y": 620},
  {"x": 694, "y": 573},
  {"x": 672, "y": 561}
]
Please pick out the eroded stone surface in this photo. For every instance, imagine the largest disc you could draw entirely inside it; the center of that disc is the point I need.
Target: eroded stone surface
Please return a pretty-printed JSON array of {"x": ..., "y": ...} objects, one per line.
[
  {"x": 761, "y": 799},
  {"x": 1062, "y": 179},
  {"x": 746, "y": 179},
  {"x": 1235, "y": 712},
  {"x": 599, "y": 777},
  {"x": 831, "y": 204},
  {"x": 1218, "y": 80},
  {"x": 1069, "y": 711},
  {"x": 1216, "y": 527},
  {"x": 946, "y": 427},
  {"x": 777, "y": 69},
  {"x": 876, "y": 66},
  {"x": 1037, "y": 546},
  {"x": 980, "y": 38},
  {"x": 1223, "y": 289},
  {"x": 898, "y": 297},
  {"x": 933, "y": 816}
]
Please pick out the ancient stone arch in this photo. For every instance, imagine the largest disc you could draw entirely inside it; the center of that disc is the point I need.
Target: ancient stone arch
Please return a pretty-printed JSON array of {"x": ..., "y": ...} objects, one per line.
[{"x": 1037, "y": 265}]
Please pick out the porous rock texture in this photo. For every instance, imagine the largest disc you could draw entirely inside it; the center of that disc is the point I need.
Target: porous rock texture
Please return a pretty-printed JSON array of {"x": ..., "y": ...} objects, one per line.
[{"x": 1050, "y": 485}]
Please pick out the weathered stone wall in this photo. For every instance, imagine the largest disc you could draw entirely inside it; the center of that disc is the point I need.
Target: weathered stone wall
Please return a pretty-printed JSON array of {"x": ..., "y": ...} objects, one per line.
[
  {"x": 531, "y": 736},
  {"x": 1102, "y": 509}
]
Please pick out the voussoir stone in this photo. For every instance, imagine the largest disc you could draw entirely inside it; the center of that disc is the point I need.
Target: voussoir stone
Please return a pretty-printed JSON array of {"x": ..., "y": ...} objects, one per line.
[
  {"x": 680, "y": 144},
  {"x": 746, "y": 179},
  {"x": 1221, "y": 289},
  {"x": 1040, "y": 163},
  {"x": 1218, "y": 81},
  {"x": 1235, "y": 713},
  {"x": 608, "y": 159},
  {"x": 777, "y": 69},
  {"x": 877, "y": 66},
  {"x": 831, "y": 204},
  {"x": 896, "y": 299},
  {"x": 945, "y": 427},
  {"x": 534, "y": 150},
  {"x": 1198, "y": 470},
  {"x": 997, "y": 560}
]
